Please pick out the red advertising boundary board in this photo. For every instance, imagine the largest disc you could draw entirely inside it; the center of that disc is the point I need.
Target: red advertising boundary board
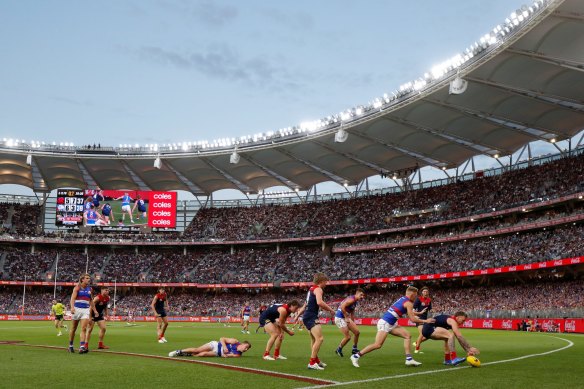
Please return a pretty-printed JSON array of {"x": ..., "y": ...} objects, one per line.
[{"x": 572, "y": 325}]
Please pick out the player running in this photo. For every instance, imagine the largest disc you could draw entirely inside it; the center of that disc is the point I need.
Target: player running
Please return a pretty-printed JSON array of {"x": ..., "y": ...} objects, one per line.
[
  {"x": 273, "y": 320},
  {"x": 58, "y": 310},
  {"x": 126, "y": 199},
  {"x": 100, "y": 301},
  {"x": 159, "y": 303},
  {"x": 81, "y": 307},
  {"x": 245, "y": 315},
  {"x": 388, "y": 324},
  {"x": 345, "y": 320},
  {"x": 141, "y": 207},
  {"x": 225, "y": 347},
  {"x": 439, "y": 330},
  {"x": 314, "y": 301},
  {"x": 422, "y": 307}
]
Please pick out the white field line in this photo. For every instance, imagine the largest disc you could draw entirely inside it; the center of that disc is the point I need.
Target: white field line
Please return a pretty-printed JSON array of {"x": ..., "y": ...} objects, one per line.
[{"x": 446, "y": 369}]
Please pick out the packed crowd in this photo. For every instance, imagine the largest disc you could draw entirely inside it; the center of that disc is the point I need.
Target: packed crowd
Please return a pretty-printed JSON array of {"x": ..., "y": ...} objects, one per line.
[
  {"x": 563, "y": 296},
  {"x": 252, "y": 264},
  {"x": 513, "y": 188}
]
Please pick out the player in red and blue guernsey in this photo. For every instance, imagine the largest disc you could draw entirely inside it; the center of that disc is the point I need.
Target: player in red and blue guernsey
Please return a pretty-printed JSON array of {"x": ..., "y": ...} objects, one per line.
[
  {"x": 345, "y": 320},
  {"x": 81, "y": 309},
  {"x": 388, "y": 324},
  {"x": 225, "y": 348},
  {"x": 314, "y": 301},
  {"x": 440, "y": 330},
  {"x": 159, "y": 303},
  {"x": 245, "y": 316},
  {"x": 273, "y": 320},
  {"x": 422, "y": 307},
  {"x": 141, "y": 207},
  {"x": 101, "y": 306}
]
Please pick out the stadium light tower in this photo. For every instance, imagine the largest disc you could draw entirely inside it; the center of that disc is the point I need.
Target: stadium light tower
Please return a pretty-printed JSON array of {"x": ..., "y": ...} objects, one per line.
[
  {"x": 341, "y": 136},
  {"x": 234, "y": 158},
  {"x": 157, "y": 163},
  {"x": 29, "y": 159}
]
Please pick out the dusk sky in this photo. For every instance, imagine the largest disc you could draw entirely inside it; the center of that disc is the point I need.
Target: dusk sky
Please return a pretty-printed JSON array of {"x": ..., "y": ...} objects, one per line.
[{"x": 115, "y": 72}]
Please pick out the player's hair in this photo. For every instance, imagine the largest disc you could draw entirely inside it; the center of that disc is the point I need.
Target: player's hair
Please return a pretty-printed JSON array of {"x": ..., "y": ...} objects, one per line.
[
  {"x": 294, "y": 303},
  {"x": 425, "y": 288},
  {"x": 82, "y": 276},
  {"x": 320, "y": 277},
  {"x": 411, "y": 289},
  {"x": 461, "y": 313},
  {"x": 359, "y": 290},
  {"x": 161, "y": 288},
  {"x": 248, "y": 344},
  {"x": 103, "y": 288}
]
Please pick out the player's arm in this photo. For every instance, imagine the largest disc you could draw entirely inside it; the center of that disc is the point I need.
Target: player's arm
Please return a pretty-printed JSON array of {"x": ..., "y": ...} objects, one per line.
[
  {"x": 344, "y": 306},
  {"x": 152, "y": 305},
  {"x": 134, "y": 207},
  {"x": 282, "y": 320},
  {"x": 92, "y": 306},
  {"x": 418, "y": 308},
  {"x": 320, "y": 302},
  {"x": 300, "y": 311},
  {"x": 95, "y": 300},
  {"x": 463, "y": 342},
  {"x": 73, "y": 298},
  {"x": 412, "y": 316},
  {"x": 167, "y": 304},
  {"x": 224, "y": 342}
]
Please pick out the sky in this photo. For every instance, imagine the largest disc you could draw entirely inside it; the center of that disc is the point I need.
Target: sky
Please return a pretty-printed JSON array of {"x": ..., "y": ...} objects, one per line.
[{"x": 160, "y": 71}]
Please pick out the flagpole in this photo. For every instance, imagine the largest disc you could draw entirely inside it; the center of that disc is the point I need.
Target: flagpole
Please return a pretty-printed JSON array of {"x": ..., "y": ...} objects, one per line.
[
  {"x": 56, "y": 274},
  {"x": 86, "y": 263},
  {"x": 115, "y": 287}
]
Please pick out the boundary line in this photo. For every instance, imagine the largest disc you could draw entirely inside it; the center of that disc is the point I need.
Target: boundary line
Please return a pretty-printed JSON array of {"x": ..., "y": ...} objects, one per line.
[
  {"x": 310, "y": 380},
  {"x": 570, "y": 344}
]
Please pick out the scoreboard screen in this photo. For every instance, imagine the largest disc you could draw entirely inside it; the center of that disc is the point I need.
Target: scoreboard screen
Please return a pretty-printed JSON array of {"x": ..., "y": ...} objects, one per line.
[{"x": 69, "y": 207}]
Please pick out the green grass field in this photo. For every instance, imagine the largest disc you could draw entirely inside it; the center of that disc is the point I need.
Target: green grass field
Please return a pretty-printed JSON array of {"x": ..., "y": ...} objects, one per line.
[{"x": 25, "y": 366}]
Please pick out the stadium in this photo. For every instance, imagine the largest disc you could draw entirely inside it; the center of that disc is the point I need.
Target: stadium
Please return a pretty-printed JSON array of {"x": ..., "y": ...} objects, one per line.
[{"x": 501, "y": 244}]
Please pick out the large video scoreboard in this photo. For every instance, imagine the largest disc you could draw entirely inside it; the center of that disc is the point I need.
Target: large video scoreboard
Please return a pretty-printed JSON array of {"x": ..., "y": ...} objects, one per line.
[
  {"x": 116, "y": 208},
  {"x": 69, "y": 207}
]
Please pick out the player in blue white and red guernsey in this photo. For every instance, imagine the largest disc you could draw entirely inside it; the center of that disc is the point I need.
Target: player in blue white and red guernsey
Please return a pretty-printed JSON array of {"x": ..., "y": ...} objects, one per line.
[
  {"x": 225, "y": 348},
  {"x": 439, "y": 330},
  {"x": 245, "y": 316},
  {"x": 159, "y": 305},
  {"x": 81, "y": 309},
  {"x": 91, "y": 217},
  {"x": 126, "y": 199},
  {"x": 273, "y": 320},
  {"x": 314, "y": 301},
  {"x": 345, "y": 320},
  {"x": 388, "y": 324},
  {"x": 260, "y": 311},
  {"x": 139, "y": 202},
  {"x": 422, "y": 307},
  {"x": 100, "y": 301}
]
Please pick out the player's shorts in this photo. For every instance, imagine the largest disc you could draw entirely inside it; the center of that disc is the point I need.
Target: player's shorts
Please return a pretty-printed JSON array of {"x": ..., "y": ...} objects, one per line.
[
  {"x": 143, "y": 209},
  {"x": 428, "y": 330},
  {"x": 126, "y": 208},
  {"x": 214, "y": 345},
  {"x": 99, "y": 318},
  {"x": 264, "y": 320},
  {"x": 80, "y": 314},
  {"x": 245, "y": 317},
  {"x": 340, "y": 322},
  {"x": 310, "y": 321},
  {"x": 162, "y": 313},
  {"x": 58, "y": 317},
  {"x": 384, "y": 326}
]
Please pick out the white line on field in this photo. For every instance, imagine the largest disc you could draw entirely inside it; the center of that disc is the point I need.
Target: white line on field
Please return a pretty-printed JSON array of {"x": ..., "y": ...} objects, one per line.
[{"x": 570, "y": 344}]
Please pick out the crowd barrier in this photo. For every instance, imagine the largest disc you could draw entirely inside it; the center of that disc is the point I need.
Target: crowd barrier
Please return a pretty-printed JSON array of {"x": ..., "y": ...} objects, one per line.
[{"x": 572, "y": 325}]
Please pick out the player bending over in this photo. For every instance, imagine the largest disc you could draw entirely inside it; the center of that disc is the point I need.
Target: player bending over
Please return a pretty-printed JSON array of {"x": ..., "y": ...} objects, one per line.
[
  {"x": 100, "y": 301},
  {"x": 439, "y": 330},
  {"x": 225, "y": 347},
  {"x": 273, "y": 320},
  {"x": 345, "y": 320},
  {"x": 388, "y": 324},
  {"x": 260, "y": 311}
]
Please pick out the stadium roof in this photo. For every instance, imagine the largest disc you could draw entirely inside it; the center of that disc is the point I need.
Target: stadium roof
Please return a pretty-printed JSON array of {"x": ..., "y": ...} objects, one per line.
[{"x": 524, "y": 83}]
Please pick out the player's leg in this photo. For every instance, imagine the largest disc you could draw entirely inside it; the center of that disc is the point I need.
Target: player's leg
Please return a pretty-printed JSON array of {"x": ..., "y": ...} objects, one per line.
[
  {"x": 277, "y": 346},
  {"x": 407, "y": 337},
  {"x": 83, "y": 335},
  {"x": 159, "y": 327},
  {"x": 164, "y": 327},
  {"x": 420, "y": 338},
  {"x": 90, "y": 326},
  {"x": 72, "y": 330},
  {"x": 274, "y": 332},
  {"x": 316, "y": 332},
  {"x": 355, "y": 330},
  {"x": 342, "y": 325},
  {"x": 102, "y": 331},
  {"x": 379, "y": 341}
]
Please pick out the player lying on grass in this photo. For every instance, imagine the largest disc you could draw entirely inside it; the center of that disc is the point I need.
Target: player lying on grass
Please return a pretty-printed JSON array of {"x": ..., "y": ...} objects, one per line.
[
  {"x": 273, "y": 320},
  {"x": 439, "y": 330},
  {"x": 225, "y": 347},
  {"x": 388, "y": 324}
]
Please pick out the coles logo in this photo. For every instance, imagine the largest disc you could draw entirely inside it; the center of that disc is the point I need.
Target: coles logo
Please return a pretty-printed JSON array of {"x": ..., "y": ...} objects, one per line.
[
  {"x": 507, "y": 324},
  {"x": 570, "y": 326},
  {"x": 488, "y": 324},
  {"x": 162, "y": 210}
]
